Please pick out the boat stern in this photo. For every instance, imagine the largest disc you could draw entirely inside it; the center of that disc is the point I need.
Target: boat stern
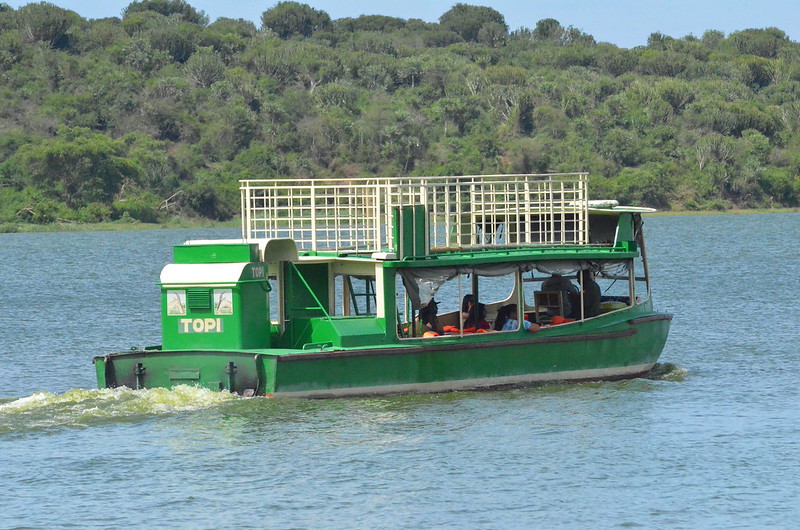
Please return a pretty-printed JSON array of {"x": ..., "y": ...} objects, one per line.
[{"x": 243, "y": 373}]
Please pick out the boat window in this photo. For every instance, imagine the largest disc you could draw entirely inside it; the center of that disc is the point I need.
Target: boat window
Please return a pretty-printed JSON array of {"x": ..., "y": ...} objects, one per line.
[
  {"x": 556, "y": 292},
  {"x": 355, "y": 295},
  {"x": 454, "y": 294},
  {"x": 642, "y": 293},
  {"x": 641, "y": 279},
  {"x": 274, "y": 303},
  {"x": 615, "y": 287}
]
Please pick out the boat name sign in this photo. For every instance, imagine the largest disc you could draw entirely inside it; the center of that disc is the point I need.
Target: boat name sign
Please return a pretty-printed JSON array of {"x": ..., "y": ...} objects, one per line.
[{"x": 200, "y": 325}]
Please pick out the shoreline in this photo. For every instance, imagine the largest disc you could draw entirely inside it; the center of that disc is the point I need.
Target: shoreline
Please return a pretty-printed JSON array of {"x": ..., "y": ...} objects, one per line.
[
  {"x": 735, "y": 211},
  {"x": 115, "y": 226}
]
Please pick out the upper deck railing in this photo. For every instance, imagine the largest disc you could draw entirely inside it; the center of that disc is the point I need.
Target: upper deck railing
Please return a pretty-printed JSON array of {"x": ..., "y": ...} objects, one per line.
[{"x": 464, "y": 212}]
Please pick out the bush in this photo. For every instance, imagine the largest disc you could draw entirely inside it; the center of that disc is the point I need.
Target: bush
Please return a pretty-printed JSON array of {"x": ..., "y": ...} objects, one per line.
[
  {"x": 94, "y": 213},
  {"x": 44, "y": 211},
  {"x": 213, "y": 196},
  {"x": 143, "y": 207}
]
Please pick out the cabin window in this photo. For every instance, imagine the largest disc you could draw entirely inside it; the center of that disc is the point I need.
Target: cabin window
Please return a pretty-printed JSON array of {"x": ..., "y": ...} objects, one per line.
[
  {"x": 641, "y": 287},
  {"x": 542, "y": 291},
  {"x": 641, "y": 278},
  {"x": 454, "y": 294},
  {"x": 273, "y": 297},
  {"x": 355, "y": 295},
  {"x": 554, "y": 290}
]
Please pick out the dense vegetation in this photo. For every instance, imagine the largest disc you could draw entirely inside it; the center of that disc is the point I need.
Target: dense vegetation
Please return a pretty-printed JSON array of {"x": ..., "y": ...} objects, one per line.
[{"x": 158, "y": 113}]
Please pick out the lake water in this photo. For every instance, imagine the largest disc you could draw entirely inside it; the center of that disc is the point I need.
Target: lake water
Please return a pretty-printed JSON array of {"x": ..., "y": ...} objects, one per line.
[{"x": 712, "y": 439}]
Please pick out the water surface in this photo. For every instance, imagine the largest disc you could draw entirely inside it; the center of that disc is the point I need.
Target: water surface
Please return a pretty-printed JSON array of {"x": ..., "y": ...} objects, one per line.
[{"x": 712, "y": 439}]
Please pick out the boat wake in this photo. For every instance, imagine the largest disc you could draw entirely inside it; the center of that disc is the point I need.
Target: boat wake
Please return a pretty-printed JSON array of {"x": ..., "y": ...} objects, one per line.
[
  {"x": 84, "y": 408},
  {"x": 668, "y": 372}
]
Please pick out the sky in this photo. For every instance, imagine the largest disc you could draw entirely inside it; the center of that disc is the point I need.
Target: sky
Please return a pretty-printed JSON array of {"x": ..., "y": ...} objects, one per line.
[{"x": 626, "y": 23}]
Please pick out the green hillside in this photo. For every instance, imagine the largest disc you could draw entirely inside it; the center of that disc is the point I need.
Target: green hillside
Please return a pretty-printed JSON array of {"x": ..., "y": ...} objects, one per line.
[{"x": 159, "y": 113}]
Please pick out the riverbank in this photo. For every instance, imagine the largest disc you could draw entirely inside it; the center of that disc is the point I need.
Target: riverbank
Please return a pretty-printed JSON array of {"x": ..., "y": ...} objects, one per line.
[
  {"x": 668, "y": 213},
  {"x": 12, "y": 228}
]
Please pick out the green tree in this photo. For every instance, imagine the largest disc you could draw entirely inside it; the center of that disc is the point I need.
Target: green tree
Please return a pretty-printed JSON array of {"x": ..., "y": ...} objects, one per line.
[
  {"x": 228, "y": 37},
  {"x": 139, "y": 54},
  {"x": 48, "y": 23},
  {"x": 548, "y": 29},
  {"x": 493, "y": 35},
  {"x": 370, "y": 23},
  {"x": 286, "y": 19},
  {"x": 467, "y": 20},
  {"x": 617, "y": 61},
  {"x": 78, "y": 166},
  {"x": 205, "y": 67},
  {"x": 11, "y": 49},
  {"x": 178, "y": 39},
  {"x": 271, "y": 58},
  {"x": 663, "y": 63},
  {"x": 167, "y": 8},
  {"x": 765, "y": 43}
]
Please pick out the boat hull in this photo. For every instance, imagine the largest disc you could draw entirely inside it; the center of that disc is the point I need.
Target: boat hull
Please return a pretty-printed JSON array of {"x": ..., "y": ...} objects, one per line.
[{"x": 611, "y": 348}]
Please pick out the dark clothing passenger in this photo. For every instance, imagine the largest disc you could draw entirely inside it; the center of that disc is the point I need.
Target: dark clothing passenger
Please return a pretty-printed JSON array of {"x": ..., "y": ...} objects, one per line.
[
  {"x": 477, "y": 318},
  {"x": 591, "y": 297},
  {"x": 429, "y": 318}
]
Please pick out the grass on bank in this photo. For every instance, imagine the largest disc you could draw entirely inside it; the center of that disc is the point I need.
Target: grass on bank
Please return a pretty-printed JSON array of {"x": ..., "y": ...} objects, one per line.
[{"x": 12, "y": 228}]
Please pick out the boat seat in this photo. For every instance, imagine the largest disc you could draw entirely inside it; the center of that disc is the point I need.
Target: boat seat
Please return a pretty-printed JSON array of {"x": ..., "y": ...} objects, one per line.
[{"x": 548, "y": 303}]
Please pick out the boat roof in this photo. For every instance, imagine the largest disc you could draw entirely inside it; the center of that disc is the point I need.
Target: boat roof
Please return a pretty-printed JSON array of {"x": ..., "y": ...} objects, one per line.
[
  {"x": 390, "y": 218},
  {"x": 369, "y": 215},
  {"x": 610, "y": 206}
]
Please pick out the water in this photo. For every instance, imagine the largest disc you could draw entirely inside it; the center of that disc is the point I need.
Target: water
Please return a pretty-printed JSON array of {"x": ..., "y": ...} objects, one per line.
[{"x": 711, "y": 440}]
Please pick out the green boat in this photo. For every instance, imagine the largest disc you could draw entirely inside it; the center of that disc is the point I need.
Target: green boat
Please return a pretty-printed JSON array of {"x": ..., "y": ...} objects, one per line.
[{"x": 400, "y": 285}]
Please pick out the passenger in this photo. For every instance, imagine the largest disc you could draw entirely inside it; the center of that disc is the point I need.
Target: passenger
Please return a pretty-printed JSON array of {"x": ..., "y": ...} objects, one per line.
[
  {"x": 476, "y": 319},
  {"x": 467, "y": 304},
  {"x": 556, "y": 282},
  {"x": 507, "y": 320},
  {"x": 429, "y": 320},
  {"x": 591, "y": 297}
]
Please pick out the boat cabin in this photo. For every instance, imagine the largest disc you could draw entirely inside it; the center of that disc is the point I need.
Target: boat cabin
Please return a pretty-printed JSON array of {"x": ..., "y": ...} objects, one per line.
[{"x": 368, "y": 262}]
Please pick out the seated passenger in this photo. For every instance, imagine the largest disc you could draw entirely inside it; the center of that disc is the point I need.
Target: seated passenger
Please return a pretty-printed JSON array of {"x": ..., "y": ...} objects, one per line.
[
  {"x": 507, "y": 320},
  {"x": 429, "y": 320},
  {"x": 467, "y": 303},
  {"x": 476, "y": 319},
  {"x": 556, "y": 282},
  {"x": 591, "y": 297}
]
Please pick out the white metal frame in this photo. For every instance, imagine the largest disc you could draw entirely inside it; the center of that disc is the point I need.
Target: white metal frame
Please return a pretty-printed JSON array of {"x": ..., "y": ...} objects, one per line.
[{"x": 464, "y": 212}]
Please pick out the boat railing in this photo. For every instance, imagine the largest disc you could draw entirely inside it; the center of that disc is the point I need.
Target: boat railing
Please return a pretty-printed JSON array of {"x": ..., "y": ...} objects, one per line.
[{"x": 360, "y": 215}]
